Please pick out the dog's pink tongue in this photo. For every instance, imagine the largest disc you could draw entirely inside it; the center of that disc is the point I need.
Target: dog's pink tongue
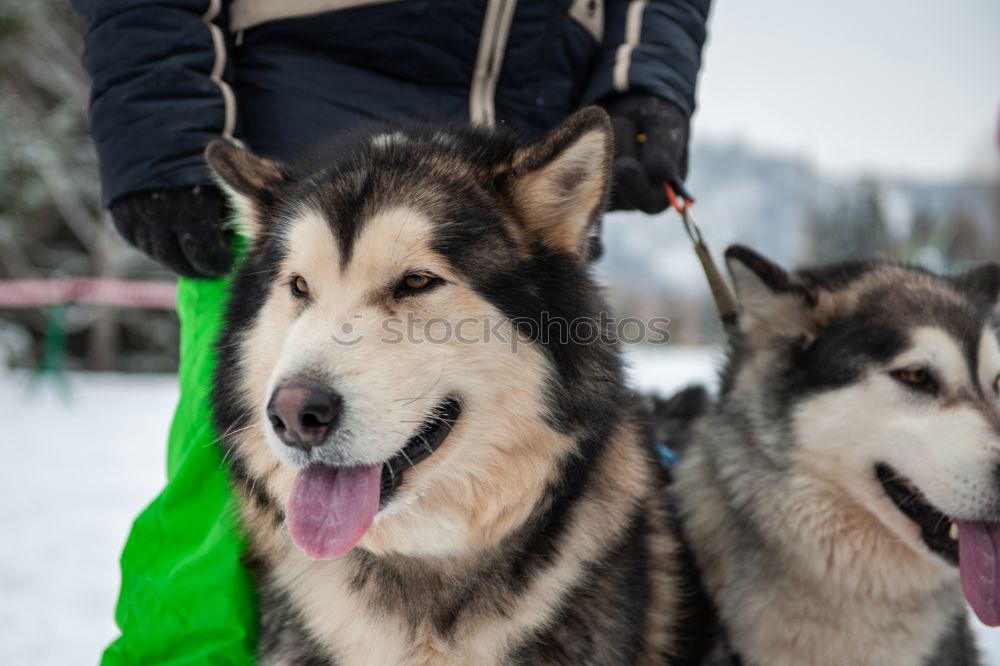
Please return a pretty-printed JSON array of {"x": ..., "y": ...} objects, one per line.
[
  {"x": 331, "y": 508},
  {"x": 979, "y": 566}
]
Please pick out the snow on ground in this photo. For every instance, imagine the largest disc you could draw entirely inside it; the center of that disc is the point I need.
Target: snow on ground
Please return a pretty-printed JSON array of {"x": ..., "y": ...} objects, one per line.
[
  {"x": 74, "y": 474},
  {"x": 77, "y": 469},
  {"x": 666, "y": 369}
]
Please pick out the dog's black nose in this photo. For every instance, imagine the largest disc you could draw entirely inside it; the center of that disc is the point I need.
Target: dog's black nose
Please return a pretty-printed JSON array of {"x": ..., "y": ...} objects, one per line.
[{"x": 302, "y": 416}]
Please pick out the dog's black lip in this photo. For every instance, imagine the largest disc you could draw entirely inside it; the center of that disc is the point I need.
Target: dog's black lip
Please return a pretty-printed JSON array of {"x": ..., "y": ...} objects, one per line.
[
  {"x": 934, "y": 525},
  {"x": 424, "y": 442}
]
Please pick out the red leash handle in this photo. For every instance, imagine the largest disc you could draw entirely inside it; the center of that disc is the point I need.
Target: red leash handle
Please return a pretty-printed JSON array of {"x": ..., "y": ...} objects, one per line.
[{"x": 680, "y": 204}]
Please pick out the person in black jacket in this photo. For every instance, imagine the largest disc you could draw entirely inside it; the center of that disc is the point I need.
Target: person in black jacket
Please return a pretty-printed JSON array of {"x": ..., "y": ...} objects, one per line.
[
  {"x": 169, "y": 77},
  {"x": 280, "y": 77}
]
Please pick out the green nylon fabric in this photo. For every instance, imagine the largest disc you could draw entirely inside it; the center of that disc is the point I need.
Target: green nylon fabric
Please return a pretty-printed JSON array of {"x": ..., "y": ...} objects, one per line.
[{"x": 185, "y": 596}]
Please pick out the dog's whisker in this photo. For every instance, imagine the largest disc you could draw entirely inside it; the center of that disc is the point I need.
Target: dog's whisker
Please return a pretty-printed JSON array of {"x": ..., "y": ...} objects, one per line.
[
  {"x": 230, "y": 449},
  {"x": 242, "y": 415},
  {"x": 229, "y": 434},
  {"x": 425, "y": 444},
  {"x": 444, "y": 364}
]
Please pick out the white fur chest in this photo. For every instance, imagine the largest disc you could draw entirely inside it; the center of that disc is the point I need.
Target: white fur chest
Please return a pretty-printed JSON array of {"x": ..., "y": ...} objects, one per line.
[
  {"x": 337, "y": 617},
  {"x": 348, "y": 629},
  {"x": 354, "y": 635},
  {"x": 817, "y": 594},
  {"x": 789, "y": 626}
]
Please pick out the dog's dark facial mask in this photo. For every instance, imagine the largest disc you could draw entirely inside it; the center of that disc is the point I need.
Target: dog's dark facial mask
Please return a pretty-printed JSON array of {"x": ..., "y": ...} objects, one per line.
[
  {"x": 410, "y": 227},
  {"x": 888, "y": 379}
]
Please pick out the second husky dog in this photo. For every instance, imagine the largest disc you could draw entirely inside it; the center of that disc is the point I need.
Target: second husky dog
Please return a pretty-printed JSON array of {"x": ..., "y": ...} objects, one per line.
[
  {"x": 450, "y": 492},
  {"x": 845, "y": 489}
]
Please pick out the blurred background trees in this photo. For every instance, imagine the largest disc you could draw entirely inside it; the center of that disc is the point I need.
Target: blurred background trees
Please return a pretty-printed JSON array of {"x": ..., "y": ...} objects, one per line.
[
  {"x": 794, "y": 214},
  {"x": 51, "y": 222},
  {"x": 854, "y": 226},
  {"x": 949, "y": 239}
]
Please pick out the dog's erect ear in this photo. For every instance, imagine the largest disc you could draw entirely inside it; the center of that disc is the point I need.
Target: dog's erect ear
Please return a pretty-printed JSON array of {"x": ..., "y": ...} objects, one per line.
[
  {"x": 982, "y": 284},
  {"x": 772, "y": 302},
  {"x": 249, "y": 181},
  {"x": 559, "y": 183}
]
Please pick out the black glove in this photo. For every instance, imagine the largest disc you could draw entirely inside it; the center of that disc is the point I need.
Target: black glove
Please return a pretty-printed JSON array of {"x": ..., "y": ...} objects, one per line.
[
  {"x": 651, "y": 137},
  {"x": 180, "y": 227}
]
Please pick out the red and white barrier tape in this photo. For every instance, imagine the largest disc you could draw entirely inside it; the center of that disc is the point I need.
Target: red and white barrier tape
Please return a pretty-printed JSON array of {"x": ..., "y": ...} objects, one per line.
[{"x": 89, "y": 291}]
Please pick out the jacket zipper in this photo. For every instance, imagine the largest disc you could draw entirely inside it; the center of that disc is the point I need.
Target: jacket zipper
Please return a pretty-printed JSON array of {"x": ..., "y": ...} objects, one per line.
[{"x": 489, "y": 61}]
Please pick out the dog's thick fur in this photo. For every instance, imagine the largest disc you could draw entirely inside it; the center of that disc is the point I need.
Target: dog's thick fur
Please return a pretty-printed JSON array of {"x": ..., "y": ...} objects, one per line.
[
  {"x": 807, "y": 559},
  {"x": 537, "y": 533}
]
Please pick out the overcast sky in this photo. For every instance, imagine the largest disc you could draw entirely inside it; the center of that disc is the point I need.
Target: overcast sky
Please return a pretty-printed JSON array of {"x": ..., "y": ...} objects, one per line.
[{"x": 909, "y": 87}]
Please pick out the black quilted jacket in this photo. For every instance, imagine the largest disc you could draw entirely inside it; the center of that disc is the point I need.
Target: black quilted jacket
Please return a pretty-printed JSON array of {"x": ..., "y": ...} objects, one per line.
[{"x": 169, "y": 75}]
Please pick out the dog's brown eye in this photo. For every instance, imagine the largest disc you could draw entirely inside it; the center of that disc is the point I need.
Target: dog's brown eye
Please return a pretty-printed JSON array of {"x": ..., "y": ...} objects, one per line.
[
  {"x": 417, "y": 282},
  {"x": 300, "y": 288},
  {"x": 916, "y": 377},
  {"x": 996, "y": 386}
]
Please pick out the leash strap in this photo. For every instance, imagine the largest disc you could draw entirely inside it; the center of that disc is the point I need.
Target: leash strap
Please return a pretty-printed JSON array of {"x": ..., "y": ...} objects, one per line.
[{"x": 725, "y": 302}]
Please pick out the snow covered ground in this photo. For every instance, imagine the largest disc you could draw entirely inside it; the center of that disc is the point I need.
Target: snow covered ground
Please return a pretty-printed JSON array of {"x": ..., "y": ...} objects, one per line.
[
  {"x": 77, "y": 469},
  {"x": 74, "y": 474}
]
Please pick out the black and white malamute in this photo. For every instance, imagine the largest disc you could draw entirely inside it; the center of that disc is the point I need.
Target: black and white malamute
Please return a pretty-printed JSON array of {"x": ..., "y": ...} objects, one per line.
[
  {"x": 844, "y": 489},
  {"x": 426, "y": 476}
]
